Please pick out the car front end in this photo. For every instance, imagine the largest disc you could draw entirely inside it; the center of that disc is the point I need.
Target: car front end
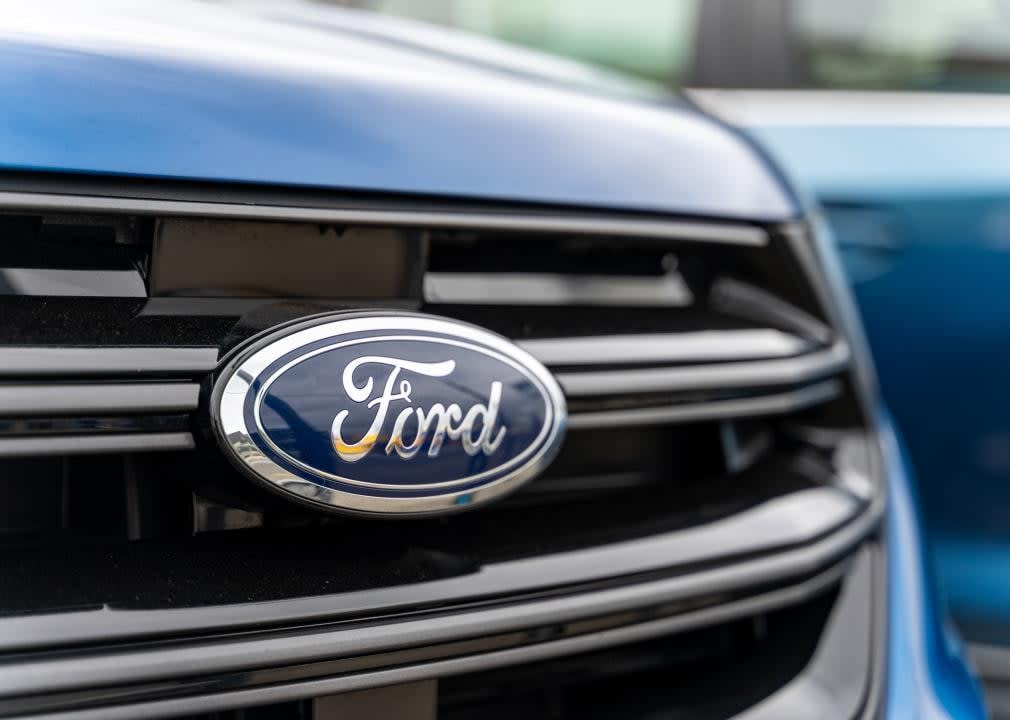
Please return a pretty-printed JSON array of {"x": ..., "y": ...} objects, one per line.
[{"x": 344, "y": 377}]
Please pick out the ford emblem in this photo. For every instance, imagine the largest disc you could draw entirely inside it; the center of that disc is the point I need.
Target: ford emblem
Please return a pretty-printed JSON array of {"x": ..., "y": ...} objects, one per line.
[{"x": 388, "y": 413}]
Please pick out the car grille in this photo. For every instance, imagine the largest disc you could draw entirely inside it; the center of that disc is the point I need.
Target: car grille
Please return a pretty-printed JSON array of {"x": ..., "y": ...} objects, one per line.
[{"x": 718, "y": 459}]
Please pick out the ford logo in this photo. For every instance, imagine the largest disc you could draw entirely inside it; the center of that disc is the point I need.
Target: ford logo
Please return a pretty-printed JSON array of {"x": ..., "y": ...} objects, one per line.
[{"x": 388, "y": 413}]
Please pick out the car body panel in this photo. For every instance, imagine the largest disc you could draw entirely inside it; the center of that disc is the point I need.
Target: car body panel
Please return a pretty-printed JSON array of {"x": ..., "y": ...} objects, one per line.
[
  {"x": 927, "y": 673},
  {"x": 245, "y": 94}
]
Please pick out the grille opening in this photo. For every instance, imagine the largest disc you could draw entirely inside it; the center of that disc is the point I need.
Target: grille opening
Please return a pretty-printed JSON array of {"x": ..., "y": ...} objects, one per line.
[
  {"x": 491, "y": 252},
  {"x": 72, "y": 242},
  {"x": 77, "y": 255},
  {"x": 691, "y": 269},
  {"x": 294, "y": 710},
  {"x": 714, "y": 672},
  {"x": 184, "y": 281},
  {"x": 90, "y": 425},
  {"x": 86, "y": 531},
  {"x": 709, "y": 673},
  {"x": 100, "y": 322}
]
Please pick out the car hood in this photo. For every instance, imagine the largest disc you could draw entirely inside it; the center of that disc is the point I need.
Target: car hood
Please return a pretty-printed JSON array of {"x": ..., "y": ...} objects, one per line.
[{"x": 299, "y": 94}]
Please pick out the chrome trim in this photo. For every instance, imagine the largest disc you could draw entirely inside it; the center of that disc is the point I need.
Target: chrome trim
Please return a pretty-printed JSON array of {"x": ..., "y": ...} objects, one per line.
[
  {"x": 581, "y": 223},
  {"x": 509, "y": 288},
  {"x": 234, "y": 436},
  {"x": 92, "y": 399},
  {"x": 700, "y": 346},
  {"x": 790, "y": 535},
  {"x": 94, "y": 444},
  {"x": 783, "y": 371},
  {"x": 42, "y": 361},
  {"x": 52, "y": 675},
  {"x": 772, "y": 404}
]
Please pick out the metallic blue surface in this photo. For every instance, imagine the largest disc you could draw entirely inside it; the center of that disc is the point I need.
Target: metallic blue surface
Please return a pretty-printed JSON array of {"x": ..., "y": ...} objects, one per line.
[
  {"x": 926, "y": 675},
  {"x": 298, "y": 411},
  {"x": 302, "y": 95},
  {"x": 922, "y": 216}
]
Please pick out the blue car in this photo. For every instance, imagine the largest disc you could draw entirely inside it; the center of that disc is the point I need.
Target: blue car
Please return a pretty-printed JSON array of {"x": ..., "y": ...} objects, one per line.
[{"x": 350, "y": 367}]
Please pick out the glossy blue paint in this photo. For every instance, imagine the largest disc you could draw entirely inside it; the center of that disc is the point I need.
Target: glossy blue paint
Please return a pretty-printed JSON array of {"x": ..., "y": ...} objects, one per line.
[
  {"x": 299, "y": 95},
  {"x": 922, "y": 216},
  {"x": 926, "y": 675}
]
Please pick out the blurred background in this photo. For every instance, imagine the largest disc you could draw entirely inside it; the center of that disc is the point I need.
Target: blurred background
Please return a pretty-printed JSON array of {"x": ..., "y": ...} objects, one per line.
[{"x": 879, "y": 44}]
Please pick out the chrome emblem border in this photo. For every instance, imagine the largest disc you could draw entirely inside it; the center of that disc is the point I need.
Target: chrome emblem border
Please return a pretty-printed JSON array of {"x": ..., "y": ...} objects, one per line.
[{"x": 235, "y": 381}]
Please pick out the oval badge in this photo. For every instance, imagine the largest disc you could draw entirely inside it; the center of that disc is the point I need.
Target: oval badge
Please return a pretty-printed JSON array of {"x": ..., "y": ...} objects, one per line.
[{"x": 388, "y": 413}]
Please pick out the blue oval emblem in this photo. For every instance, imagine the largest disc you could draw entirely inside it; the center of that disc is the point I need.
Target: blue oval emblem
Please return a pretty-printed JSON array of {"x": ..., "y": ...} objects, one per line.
[{"x": 389, "y": 413}]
